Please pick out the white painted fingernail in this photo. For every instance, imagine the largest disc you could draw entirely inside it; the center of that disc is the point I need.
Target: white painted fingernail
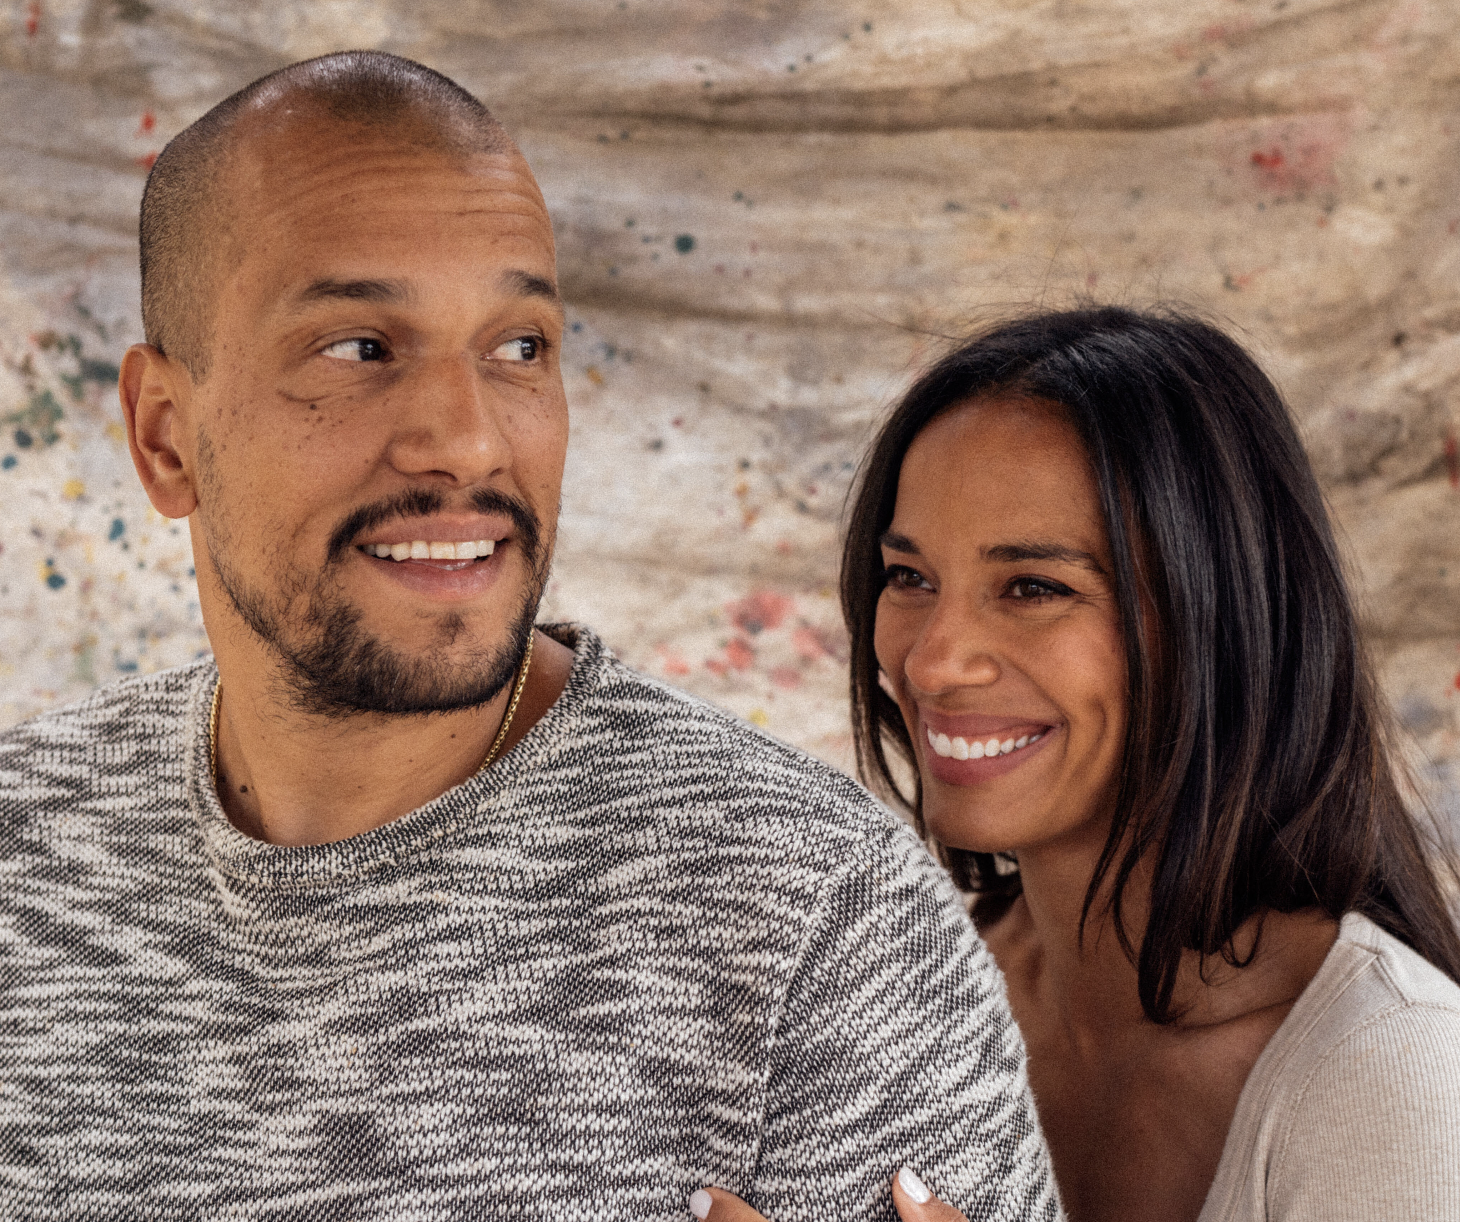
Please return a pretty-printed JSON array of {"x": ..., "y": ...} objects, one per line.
[
  {"x": 911, "y": 1185},
  {"x": 700, "y": 1202}
]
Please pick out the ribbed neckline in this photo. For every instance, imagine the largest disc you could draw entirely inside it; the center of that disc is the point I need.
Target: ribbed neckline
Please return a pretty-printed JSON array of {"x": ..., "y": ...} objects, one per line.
[
  {"x": 289, "y": 867},
  {"x": 1351, "y": 952}
]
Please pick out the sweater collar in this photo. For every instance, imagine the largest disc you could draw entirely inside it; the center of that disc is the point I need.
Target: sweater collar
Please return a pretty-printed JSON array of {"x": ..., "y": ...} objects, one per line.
[{"x": 485, "y": 797}]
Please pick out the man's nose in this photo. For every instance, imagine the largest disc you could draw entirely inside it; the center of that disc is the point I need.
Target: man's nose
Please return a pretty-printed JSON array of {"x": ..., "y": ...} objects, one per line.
[
  {"x": 450, "y": 425},
  {"x": 956, "y": 647}
]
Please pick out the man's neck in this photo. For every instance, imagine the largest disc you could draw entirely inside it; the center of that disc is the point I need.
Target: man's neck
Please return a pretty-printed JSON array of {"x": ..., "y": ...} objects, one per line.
[{"x": 294, "y": 778}]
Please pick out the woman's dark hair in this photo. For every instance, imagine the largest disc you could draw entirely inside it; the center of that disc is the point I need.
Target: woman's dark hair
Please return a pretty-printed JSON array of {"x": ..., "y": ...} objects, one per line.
[{"x": 1256, "y": 769}]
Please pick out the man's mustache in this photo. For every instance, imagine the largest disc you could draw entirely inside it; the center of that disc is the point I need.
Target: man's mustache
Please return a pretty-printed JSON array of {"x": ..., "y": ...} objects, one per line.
[{"x": 423, "y": 503}]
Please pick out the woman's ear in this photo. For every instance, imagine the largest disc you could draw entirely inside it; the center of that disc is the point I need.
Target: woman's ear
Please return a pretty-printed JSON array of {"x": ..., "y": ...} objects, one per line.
[{"x": 156, "y": 392}]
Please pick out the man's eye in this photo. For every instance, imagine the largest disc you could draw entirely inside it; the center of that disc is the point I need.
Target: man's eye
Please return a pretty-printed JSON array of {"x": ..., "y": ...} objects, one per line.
[
  {"x": 1031, "y": 588},
  {"x": 523, "y": 348},
  {"x": 900, "y": 577},
  {"x": 356, "y": 350}
]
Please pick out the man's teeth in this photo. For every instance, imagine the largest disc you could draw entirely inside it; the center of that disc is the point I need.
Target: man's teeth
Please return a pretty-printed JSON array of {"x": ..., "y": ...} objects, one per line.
[
  {"x": 419, "y": 549},
  {"x": 962, "y": 749}
]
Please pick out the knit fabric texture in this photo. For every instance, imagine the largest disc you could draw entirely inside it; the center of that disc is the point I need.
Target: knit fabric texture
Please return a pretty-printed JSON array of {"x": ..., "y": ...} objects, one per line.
[{"x": 649, "y": 949}]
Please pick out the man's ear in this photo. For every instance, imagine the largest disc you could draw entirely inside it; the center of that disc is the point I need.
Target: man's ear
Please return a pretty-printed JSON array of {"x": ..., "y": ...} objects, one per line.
[{"x": 154, "y": 390}]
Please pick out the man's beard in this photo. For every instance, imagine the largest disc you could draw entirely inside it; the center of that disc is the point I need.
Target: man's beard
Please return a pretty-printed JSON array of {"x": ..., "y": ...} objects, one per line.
[{"x": 334, "y": 667}]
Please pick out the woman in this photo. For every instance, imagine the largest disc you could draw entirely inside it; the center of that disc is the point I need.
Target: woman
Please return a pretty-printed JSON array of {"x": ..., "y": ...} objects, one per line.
[{"x": 1094, "y": 599}]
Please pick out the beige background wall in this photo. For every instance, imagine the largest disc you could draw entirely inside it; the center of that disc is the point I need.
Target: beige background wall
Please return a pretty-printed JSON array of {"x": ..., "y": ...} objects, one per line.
[{"x": 768, "y": 211}]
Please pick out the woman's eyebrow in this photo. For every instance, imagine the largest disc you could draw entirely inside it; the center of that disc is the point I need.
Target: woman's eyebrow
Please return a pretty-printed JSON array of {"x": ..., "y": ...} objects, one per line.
[
  {"x": 1015, "y": 553},
  {"x": 895, "y": 542}
]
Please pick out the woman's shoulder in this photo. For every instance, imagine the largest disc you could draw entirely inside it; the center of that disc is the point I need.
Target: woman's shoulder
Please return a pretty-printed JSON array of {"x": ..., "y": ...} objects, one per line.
[
  {"x": 1362, "y": 1087},
  {"x": 1371, "y": 986},
  {"x": 1354, "y": 1105},
  {"x": 1376, "y": 1009}
]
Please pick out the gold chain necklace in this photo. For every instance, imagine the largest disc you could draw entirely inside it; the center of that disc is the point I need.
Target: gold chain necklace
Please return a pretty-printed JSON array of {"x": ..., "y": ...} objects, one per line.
[{"x": 482, "y": 767}]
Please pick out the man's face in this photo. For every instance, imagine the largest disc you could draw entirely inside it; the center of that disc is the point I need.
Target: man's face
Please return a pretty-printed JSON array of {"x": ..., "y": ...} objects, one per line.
[{"x": 384, "y": 376}]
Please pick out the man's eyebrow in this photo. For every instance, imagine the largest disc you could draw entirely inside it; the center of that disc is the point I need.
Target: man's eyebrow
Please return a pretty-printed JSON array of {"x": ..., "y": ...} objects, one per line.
[
  {"x": 525, "y": 284},
  {"x": 1016, "y": 553},
  {"x": 895, "y": 542},
  {"x": 384, "y": 292}
]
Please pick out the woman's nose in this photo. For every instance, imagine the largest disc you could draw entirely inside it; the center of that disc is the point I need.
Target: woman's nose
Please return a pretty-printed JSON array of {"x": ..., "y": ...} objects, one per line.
[{"x": 955, "y": 648}]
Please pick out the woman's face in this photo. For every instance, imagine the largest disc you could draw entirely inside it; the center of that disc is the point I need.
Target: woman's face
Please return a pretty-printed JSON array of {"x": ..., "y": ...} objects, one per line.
[{"x": 998, "y": 629}]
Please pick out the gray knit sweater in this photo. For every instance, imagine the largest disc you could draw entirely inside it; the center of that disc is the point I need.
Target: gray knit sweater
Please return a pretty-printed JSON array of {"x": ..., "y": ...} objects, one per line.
[{"x": 649, "y": 949}]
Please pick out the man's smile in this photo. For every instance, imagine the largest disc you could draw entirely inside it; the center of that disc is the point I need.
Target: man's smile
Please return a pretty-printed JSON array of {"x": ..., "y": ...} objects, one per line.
[{"x": 420, "y": 549}]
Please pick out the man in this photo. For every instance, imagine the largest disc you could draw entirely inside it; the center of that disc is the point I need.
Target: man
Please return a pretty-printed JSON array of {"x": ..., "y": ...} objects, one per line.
[{"x": 406, "y": 909}]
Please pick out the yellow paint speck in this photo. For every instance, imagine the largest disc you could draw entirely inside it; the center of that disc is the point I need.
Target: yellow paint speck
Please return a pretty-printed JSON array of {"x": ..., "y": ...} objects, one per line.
[
  {"x": 593, "y": 375},
  {"x": 759, "y": 717},
  {"x": 73, "y": 490},
  {"x": 116, "y": 432}
]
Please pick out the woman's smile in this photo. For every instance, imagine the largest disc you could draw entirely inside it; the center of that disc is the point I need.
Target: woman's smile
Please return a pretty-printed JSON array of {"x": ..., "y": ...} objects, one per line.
[{"x": 982, "y": 755}]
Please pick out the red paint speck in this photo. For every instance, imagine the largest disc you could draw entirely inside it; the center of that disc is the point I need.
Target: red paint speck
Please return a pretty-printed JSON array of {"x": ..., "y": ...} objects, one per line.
[
  {"x": 672, "y": 661},
  {"x": 811, "y": 644},
  {"x": 1452, "y": 458},
  {"x": 678, "y": 422},
  {"x": 32, "y": 17},
  {"x": 761, "y": 610},
  {"x": 1091, "y": 279},
  {"x": 148, "y": 122},
  {"x": 1272, "y": 159},
  {"x": 1457, "y": 682},
  {"x": 739, "y": 654},
  {"x": 786, "y": 677},
  {"x": 147, "y": 160}
]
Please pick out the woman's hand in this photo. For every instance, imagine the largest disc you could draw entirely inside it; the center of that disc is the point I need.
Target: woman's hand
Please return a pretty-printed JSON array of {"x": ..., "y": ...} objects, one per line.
[{"x": 911, "y": 1196}]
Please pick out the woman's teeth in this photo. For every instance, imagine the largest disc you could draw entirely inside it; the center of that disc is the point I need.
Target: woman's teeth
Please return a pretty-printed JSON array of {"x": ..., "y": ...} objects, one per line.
[
  {"x": 419, "y": 549},
  {"x": 962, "y": 749}
]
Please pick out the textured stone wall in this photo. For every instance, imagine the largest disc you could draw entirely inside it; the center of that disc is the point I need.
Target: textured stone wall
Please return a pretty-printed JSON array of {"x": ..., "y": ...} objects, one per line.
[{"x": 768, "y": 214}]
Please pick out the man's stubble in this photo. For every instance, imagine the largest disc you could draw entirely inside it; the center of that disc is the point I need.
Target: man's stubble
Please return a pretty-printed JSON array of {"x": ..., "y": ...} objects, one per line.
[{"x": 330, "y": 662}]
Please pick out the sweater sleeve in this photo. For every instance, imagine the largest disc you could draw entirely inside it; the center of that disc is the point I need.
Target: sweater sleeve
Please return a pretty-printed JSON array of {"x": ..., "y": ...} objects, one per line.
[
  {"x": 895, "y": 1045},
  {"x": 1376, "y": 1129}
]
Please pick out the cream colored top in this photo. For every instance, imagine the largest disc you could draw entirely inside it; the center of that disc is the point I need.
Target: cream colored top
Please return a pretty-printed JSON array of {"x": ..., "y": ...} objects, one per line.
[{"x": 1353, "y": 1109}]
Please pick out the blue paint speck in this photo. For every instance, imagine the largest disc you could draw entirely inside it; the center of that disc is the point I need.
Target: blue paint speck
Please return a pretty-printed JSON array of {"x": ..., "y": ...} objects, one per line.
[
  {"x": 684, "y": 243},
  {"x": 55, "y": 580},
  {"x": 118, "y": 529},
  {"x": 8, "y": 461},
  {"x": 23, "y": 439}
]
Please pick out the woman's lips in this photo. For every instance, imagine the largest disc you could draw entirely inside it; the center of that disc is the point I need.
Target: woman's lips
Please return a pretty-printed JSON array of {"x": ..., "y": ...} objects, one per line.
[{"x": 970, "y": 749}]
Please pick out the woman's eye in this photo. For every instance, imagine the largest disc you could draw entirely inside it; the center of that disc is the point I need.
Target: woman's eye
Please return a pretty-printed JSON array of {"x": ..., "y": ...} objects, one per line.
[
  {"x": 1036, "y": 587},
  {"x": 900, "y": 577},
  {"x": 356, "y": 350},
  {"x": 523, "y": 348}
]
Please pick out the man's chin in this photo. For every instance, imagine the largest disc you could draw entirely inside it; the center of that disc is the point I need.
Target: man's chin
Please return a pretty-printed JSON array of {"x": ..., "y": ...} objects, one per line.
[
  {"x": 344, "y": 668},
  {"x": 361, "y": 675}
]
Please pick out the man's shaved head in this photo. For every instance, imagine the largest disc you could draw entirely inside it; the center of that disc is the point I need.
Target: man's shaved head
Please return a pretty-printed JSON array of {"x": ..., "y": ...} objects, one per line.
[{"x": 188, "y": 232}]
